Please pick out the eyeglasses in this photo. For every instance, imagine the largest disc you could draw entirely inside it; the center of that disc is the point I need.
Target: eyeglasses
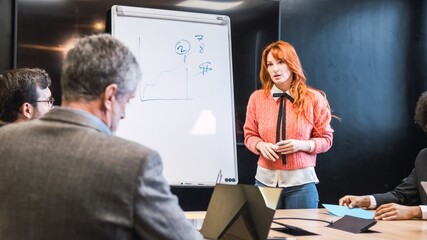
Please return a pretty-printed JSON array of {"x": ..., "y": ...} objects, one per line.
[{"x": 49, "y": 101}]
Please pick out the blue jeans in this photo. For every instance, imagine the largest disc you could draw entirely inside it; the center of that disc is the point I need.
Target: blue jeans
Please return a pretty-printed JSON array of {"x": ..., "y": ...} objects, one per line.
[{"x": 297, "y": 197}]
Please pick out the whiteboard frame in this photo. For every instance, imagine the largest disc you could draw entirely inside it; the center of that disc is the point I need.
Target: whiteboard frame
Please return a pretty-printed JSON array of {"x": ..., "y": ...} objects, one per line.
[{"x": 150, "y": 13}]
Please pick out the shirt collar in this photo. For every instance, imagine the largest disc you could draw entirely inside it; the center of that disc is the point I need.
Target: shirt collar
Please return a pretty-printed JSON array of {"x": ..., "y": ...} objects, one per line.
[
  {"x": 100, "y": 124},
  {"x": 275, "y": 89}
]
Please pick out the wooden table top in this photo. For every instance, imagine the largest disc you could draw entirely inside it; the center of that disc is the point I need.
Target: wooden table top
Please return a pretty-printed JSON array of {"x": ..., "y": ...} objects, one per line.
[{"x": 402, "y": 229}]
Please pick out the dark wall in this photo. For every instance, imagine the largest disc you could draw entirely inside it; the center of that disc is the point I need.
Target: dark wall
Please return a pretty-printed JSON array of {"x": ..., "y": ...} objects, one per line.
[
  {"x": 370, "y": 58},
  {"x": 7, "y": 36}
]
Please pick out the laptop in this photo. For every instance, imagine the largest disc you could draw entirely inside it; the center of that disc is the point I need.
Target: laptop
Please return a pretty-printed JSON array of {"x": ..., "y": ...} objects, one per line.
[
  {"x": 243, "y": 212},
  {"x": 424, "y": 184}
]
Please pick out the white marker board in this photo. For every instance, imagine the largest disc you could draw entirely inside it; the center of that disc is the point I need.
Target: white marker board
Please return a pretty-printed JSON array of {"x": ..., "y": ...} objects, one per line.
[{"x": 184, "y": 105}]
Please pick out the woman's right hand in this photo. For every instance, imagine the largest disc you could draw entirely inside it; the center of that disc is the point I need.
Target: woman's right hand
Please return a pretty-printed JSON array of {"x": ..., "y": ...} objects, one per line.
[{"x": 268, "y": 150}]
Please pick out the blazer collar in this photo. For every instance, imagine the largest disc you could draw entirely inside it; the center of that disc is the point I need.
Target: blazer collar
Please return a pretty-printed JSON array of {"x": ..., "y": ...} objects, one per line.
[{"x": 77, "y": 117}]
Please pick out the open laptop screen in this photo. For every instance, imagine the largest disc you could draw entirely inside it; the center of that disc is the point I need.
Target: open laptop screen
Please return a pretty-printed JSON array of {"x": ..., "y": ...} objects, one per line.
[
  {"x": 424, "y": 185},
  {"x": 240, "y": 212}
]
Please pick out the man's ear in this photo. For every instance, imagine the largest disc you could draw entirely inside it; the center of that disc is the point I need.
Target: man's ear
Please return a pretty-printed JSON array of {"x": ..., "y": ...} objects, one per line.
[
  {"x": 27, "y": 111},
  {"x": 109, "y": 96}
]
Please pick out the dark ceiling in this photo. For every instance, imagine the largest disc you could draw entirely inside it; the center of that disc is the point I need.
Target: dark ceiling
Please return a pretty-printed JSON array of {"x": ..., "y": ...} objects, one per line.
[{"x": 62, "y": 20}]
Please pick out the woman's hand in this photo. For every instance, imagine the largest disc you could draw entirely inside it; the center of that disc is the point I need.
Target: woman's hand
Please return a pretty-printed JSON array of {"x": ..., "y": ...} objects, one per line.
[
  {"x": 267, "y": 150},
  {"x": 291, "y": 146}
]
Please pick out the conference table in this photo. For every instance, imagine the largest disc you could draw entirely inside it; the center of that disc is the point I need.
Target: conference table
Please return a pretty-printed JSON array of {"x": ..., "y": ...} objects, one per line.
[{"x": 308, "y": 219}]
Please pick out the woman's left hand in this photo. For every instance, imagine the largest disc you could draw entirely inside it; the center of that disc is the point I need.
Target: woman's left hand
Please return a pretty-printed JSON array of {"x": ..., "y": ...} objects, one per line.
[{"x": 291, "y": 146}]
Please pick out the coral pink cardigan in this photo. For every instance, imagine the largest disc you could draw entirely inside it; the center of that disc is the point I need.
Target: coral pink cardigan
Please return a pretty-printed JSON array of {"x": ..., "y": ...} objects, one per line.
[{"x": 261, "y": 120}]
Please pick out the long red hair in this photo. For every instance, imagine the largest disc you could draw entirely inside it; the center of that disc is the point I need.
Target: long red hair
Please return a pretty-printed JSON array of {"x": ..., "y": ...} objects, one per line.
[{"x": 299, "y": 89}]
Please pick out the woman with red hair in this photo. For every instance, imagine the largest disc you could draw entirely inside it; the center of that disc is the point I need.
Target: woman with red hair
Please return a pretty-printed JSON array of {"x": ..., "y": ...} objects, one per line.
[{"x": 287, "y": 125}]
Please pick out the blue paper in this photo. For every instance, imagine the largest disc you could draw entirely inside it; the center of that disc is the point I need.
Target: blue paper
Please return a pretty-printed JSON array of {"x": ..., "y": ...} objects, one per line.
[{"x": 340, "y": 211}]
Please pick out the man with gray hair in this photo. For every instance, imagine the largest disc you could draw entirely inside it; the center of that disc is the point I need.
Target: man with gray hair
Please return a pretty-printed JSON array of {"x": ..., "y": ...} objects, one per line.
[
  {"x": 24, "y": 94},
  {"x": 66, "y": 176}
]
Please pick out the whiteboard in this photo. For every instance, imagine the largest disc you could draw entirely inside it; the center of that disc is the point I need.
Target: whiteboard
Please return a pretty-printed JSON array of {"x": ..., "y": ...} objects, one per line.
[{"x": 184, "y": 104}]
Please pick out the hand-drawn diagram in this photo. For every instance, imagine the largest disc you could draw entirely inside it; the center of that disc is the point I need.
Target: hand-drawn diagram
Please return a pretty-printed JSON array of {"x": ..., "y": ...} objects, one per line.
[
  {"x": 173, "y": 82},
  {"x": 183, "y": 106}
]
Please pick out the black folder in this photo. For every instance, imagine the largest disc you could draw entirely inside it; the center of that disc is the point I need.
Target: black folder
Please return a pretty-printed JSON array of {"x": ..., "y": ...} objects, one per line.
[{"x": 353, "y": 224}]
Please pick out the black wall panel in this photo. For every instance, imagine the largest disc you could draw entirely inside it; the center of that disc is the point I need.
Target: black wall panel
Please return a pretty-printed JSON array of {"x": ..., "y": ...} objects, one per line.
[
  {"x": 7, "y": 34},
  {"x": 370, "y": 59}
]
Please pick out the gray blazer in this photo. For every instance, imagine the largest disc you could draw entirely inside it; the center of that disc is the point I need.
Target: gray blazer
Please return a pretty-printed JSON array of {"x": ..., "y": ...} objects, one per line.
[
  {"x": 65, "y": 176},
  {"x": 409, "y": 192}
]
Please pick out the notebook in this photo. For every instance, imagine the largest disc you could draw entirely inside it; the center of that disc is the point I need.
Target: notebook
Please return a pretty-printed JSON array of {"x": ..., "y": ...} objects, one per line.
[{"x": 240, "y": 212}]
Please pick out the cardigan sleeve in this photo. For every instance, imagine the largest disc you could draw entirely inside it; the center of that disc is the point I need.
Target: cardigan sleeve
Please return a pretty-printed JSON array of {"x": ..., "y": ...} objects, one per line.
[
  {"x": 322, "y": 132},
  {"x": 250, "y": 128}
]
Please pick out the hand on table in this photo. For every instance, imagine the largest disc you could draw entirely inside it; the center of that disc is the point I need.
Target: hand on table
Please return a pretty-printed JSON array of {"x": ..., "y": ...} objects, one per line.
[{"x": 393, "y": 211}]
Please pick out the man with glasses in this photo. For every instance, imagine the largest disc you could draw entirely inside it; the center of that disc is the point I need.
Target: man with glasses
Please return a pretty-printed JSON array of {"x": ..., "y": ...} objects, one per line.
[
  {"x": 24, "y": 95},
  {"x": 66, "y": 176}
]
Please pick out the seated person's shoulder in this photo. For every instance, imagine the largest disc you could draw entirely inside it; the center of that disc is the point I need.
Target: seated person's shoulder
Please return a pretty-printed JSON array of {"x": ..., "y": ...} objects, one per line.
[
  {"x": 16, "y": 128},
  {"x": 130, "y": 148},
  {"x": 423, "y": 152},
  {"x": 422, "y": 156}
]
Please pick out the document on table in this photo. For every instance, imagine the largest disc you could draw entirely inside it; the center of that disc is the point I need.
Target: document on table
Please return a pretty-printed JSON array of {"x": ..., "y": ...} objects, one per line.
[{"x": 341, "y": 211}]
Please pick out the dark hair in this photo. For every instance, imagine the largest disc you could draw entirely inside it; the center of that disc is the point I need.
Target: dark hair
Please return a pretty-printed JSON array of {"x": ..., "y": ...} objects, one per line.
[
  {"x": 94, "y": 63},
  {"x": 18, "y": 86},
  {"x": 421, "y": 112}
]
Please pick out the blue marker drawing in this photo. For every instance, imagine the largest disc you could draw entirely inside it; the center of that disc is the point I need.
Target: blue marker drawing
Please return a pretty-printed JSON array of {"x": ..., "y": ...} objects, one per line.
[
  {"x": 205, "y": 67},
  {"x": 201, "y": 48},
  {"x": 172, "y": 81},
  {"x": 182, "y": 47},
  {"x": 199, "y": 37}
]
